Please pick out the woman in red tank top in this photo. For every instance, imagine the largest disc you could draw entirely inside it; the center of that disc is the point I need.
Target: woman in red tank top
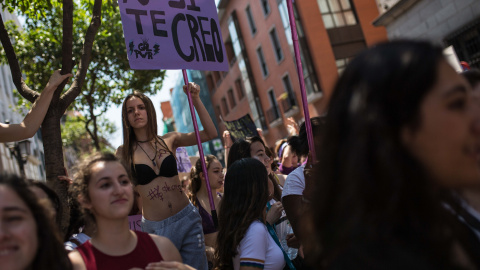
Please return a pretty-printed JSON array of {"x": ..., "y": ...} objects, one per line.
[{"x": 104, "y": 190}]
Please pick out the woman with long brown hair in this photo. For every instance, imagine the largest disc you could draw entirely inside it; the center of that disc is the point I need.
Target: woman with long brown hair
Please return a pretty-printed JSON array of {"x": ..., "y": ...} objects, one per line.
[
  {"x": 29, "y": 238},
  {"x": 166, "y": 209},
  {"x": 200, "y": 198},
  {"x": 402, "y": 131}
]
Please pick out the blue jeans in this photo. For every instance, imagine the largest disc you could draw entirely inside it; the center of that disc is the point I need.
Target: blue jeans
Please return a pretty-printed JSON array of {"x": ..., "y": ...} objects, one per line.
[{"x": 184, "y": 229}]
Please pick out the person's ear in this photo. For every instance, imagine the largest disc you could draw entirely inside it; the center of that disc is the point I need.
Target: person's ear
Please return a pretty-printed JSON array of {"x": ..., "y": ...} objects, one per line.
[{"x": 202, "y": 177}]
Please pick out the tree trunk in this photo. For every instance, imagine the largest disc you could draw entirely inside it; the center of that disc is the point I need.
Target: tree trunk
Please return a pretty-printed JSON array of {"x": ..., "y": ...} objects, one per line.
[{"x": 54, "y": 163}]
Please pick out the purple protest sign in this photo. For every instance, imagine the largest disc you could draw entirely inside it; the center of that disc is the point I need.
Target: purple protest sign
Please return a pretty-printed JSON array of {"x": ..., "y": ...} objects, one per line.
[
  {"x": 181, "y": 34},
  {"x": 135, "y": 222},
  {"x": 183, "y": 161}
]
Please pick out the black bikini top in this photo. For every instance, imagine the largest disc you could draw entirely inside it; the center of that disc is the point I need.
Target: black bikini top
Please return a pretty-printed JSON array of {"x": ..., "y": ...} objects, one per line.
[{"x": 144, "y": 174}]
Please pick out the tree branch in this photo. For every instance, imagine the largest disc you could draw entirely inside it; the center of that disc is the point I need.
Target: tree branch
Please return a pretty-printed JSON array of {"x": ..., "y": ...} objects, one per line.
[
  {"x": 67, "y": 44},
  {"x": 22, "y": 87},
  {"x": 77, "y": 84}
]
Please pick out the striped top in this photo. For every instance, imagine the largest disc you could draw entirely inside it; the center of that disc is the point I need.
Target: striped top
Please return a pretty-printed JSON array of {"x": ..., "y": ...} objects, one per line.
[{"x": 257, "y": 249}]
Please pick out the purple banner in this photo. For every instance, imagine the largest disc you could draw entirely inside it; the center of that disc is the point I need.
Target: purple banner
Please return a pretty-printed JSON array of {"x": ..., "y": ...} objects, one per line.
[
  {"x": 180, "y": 34},
  {"x": 183, "y": 161}
]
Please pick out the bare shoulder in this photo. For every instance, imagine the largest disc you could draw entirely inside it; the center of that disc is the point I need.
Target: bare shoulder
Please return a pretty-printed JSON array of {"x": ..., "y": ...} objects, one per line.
[
  {"x": 77, "y": 260},
  {"x": 166, "y": 248},
  {"x": 171, "y": 135},
  {"x": 170, "y": 139},
  {"x": 281, "y": 179}
]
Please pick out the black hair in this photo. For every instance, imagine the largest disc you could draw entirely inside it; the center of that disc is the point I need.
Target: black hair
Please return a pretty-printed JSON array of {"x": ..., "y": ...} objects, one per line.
[
  {"x": 244, "y": 201},
  {"x": 299, "y": 143},
  {"x": 368, "y": 186},
  {"x": 241, "y": 149}
]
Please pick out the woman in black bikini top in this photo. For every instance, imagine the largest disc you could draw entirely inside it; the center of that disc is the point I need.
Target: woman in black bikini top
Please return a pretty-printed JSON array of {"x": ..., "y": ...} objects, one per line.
[{"x": 154, "y": 166}]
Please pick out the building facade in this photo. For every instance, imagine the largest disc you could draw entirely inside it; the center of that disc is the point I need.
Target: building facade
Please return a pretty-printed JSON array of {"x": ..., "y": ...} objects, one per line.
[
  {"x": 35, "y": 163},
  {"x": 262, "y": 79},
  {"x": 445, "y": 22}
]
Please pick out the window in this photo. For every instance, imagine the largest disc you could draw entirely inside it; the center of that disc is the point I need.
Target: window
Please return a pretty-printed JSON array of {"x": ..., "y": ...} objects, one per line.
[
  {"x": 251, "y": 22},
  {"x": 230, "y": 52},
  {"x": 231, "y": 98},
  {"x": 282, "y": 8},
  {"x": 245, "y": 67},
  {"x": 239, "y": 87},
  {"x": 217, "y": 78},
  {"x": 273, "y": 113},
  {"x": 289, "y": 101},
  {"x": 341, "y": 64},
  {"x": 336, "y": 13},
  {"x": 287, "y": 84},
  {"x": 237, "y": 48},
  {"x": 261, "y": 60},
  {"x": 265, "y": 7},
  {"x": 311, "y": 82},
  {"x": 225, "y": 106},
  {"x": 276, "y": 45}
]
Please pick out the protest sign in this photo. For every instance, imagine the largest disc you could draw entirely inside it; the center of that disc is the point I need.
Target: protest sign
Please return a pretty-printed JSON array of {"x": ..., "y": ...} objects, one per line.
[
  {"x": 180, "y": 34},
  {"x": 183, "y": 161},
  {"x": 135, "y": 222},
  {"x": 241, "y": 128}
]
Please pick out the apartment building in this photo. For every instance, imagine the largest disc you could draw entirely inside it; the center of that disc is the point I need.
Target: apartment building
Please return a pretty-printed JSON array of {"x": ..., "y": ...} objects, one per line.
[
  {"x": 262, "y": 79},
  {"x": 445, "y": 22}
]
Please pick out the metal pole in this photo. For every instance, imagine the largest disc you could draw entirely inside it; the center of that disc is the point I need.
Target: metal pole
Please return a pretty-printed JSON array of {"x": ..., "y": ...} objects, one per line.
[
  {"x": 308, "y": 124},
  {"x": 200, "y": 151}
]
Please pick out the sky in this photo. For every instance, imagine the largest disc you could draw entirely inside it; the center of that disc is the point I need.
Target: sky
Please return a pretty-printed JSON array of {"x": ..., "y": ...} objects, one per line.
[{"x": 114, "y": 114}]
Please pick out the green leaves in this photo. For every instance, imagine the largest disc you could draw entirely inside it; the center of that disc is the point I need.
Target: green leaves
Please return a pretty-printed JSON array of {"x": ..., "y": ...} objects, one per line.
[
  {"x": 39, "y": 51},
  {"x": 30, "y": 8}
]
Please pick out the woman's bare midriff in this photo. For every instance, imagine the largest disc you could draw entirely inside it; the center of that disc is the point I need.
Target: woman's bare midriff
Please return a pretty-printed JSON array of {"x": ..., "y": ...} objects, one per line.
[{"x": 162, "y": 198}]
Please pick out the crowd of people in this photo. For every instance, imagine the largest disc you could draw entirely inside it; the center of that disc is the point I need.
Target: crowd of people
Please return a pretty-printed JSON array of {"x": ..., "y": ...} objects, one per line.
[{"x": 394, "y": 184}]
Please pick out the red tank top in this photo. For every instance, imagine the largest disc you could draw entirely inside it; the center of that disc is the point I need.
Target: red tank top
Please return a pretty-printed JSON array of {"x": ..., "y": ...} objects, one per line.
[{"x": 144, "y": 253}]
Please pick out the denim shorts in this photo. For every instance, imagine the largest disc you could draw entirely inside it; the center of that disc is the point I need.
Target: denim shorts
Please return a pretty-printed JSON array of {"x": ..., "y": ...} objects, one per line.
[{"x": 184, "y": 229}]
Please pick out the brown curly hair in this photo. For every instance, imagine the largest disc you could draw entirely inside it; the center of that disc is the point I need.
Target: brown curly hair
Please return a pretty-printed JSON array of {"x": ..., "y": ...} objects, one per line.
[{"x": 196, "y": 183}]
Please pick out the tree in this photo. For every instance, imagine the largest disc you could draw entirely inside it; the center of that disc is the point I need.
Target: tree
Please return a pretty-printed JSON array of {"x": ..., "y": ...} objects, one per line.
[
  {"x": 61, "y": 101},
  {"x": 77, "y": 141},
  {"x": 102, "y": 72},
  {"x": 108, "y": 77}
]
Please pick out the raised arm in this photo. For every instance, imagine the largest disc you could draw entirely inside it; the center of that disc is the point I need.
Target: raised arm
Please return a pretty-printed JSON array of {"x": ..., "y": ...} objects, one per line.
[
  {"x": 209, "y": 131},
  {"x": 34, "y": 118}
]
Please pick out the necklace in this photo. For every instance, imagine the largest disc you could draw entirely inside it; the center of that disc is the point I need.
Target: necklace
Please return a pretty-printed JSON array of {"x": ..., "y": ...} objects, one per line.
[
  {"x": 143, "y": 141},
  {"x": 152, "y": 159}
]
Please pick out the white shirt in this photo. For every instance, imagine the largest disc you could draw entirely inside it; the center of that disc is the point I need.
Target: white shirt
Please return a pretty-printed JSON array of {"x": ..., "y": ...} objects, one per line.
[
  {"x": 257, "y": 248},
  {"x": 295, "y": 182}
]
